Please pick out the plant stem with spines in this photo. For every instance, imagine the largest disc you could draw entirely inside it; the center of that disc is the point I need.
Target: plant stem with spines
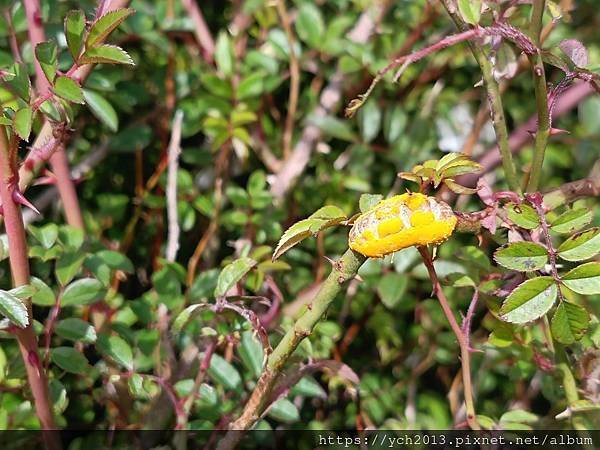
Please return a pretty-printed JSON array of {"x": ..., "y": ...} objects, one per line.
[{"x": 343, "y": 270}]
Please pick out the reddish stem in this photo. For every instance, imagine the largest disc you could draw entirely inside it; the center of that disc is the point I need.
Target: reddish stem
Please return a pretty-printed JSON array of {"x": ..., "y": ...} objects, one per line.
[
  {"x": 58, "y": 160},
  {"x": 19, "y": 266}
]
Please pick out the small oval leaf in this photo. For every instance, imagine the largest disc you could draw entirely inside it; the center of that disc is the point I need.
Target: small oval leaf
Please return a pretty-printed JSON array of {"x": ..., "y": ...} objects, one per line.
[
  {"x": 522, "y": 256},
  {"x": 581, "y": 246},
  {"x": 530, "y": 300}
]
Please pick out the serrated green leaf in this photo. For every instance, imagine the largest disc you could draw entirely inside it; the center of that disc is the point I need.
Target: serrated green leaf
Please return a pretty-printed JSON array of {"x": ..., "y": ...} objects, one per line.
[
  {"x": 323, "y": 218},
  {"x": 13, "y": 309},
  {"x": 46, "y": 54},
  {"x": 76, "y": 330},
  {"x": 581, "y": 246},
  {"x": 105, "y": 25},
  {"x": 569, "y": 323},
  {"x": 530, "y": 300},
  {"x": 69, "y": 360},
  {"x": 186, "y": 315},
  {"x": 449, "y": 159},
  {"x": 106, "y": 54},
  {"x": 522, "y": 256},
  {"x": 102, "y": 109},
  {"x": 232, "y": 273},
  {"x": 523, "y": 215},
  {"x": 23, "y": 292},
  {"x": 116, "y": 348},
  {"x": 367, "y": 201},
  {"x": 46, "y": 235},
  {"x": 22, "y": 122},
  {"x": 470, "y": 10},
  {"x": 572, "y": 220},
  {"x": 68, "y": 89},
  {"x": 83, "y": 292},
  {"x": 20, "y": 82},
  {"x": 223, "y": 373},
  {"x": 74, "y": 30},
  {"x": 583, "y": 279}
]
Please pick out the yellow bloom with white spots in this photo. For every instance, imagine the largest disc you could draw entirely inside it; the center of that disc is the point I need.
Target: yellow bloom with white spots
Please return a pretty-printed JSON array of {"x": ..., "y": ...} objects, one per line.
[{"x": 399, "y": 222}]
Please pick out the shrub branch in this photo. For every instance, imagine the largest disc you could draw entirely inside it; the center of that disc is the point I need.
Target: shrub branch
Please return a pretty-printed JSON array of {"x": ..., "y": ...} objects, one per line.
[{"x": 343, "y": 270}]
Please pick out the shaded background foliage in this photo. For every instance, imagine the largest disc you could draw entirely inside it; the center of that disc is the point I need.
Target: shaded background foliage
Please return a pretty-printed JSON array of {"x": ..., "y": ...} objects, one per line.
[{"x": 386, "y": 327}]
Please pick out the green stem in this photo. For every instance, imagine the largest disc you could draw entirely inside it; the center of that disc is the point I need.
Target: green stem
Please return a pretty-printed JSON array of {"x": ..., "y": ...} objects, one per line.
[
  {"x": 541, "y": 99},
  {"x": 569, "y": 384},
  {"x": 343, "y": 270},
  {"x": 495, "y": 101}
]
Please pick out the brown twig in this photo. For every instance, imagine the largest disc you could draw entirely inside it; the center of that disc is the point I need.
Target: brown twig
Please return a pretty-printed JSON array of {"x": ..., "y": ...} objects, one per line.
[
  {"x": 201, "y": 30},
  {"x": 171, "y": 191}
]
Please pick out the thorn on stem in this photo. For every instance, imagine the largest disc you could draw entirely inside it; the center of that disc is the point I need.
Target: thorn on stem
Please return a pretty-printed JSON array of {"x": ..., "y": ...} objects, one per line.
[{"x": 19, "y": 198}]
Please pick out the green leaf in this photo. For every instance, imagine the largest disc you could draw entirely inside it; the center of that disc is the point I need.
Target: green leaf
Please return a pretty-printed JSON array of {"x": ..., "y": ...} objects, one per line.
[
  {"x": 367, "y": 201},
  {"x": 105, "y": 25},
  {"x": 394, "y": 123},
  {"x": 74, "y": 30},
  {"x": 67, "y": 266},
  {"x": 391, "y": 288},
  {"x": 117, "y": 349},
  {"x": 13, "y": 309},
  {"x": 101, "y": 109},
  {"x": 20, "y": 83},
  {"x": 83, "y": 292},
  {"x": 76, "y": 330},
  {"x": 569, "y": 323},
  {"x": 308, "y": 387},
  {"x": 22, "y": 122},
  {"x": 45, "y": 235},
  {"x": 43, "y": 296},
  {"x": 224, "y": 54},
  {"x": 69, "y": 360},
  {"x": 333, "y": 127},
  {"x": 530, "y": 300},
  {"x": 369, "y": 120},
  {"x": 251, "y": 353},
  {"x": 232, "y": 273},
  {"x": 186, "y": 315},
  {"x": 309, "y": 25},
  {"x": 522, "y": 256},
  {"x": 581, "y": 246},
  {"x": 519, "y": 416},
  {"x": 584, "y": 279},
  {"x": 284, "y": 411},
  {"x": 223, "y": 373},
  {"x": 116, "y": 260},
  {"x": 325, "y": 217},
  {"x": 523, "y": 216},
  {"x": 46, "y": 54},
  {"x": 458, "y": 188},
  {"x": 68, "y": 89},
  {"x": 106, "y": 54},
  {"x": 470, "y": 10},
  {"x": 23, "y": 292},
  {"x": 572, "y": 220}
]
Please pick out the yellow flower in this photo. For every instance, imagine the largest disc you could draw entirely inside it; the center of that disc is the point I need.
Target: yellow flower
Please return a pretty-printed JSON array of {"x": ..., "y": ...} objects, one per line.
[{"x": 399, "y": 222}]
